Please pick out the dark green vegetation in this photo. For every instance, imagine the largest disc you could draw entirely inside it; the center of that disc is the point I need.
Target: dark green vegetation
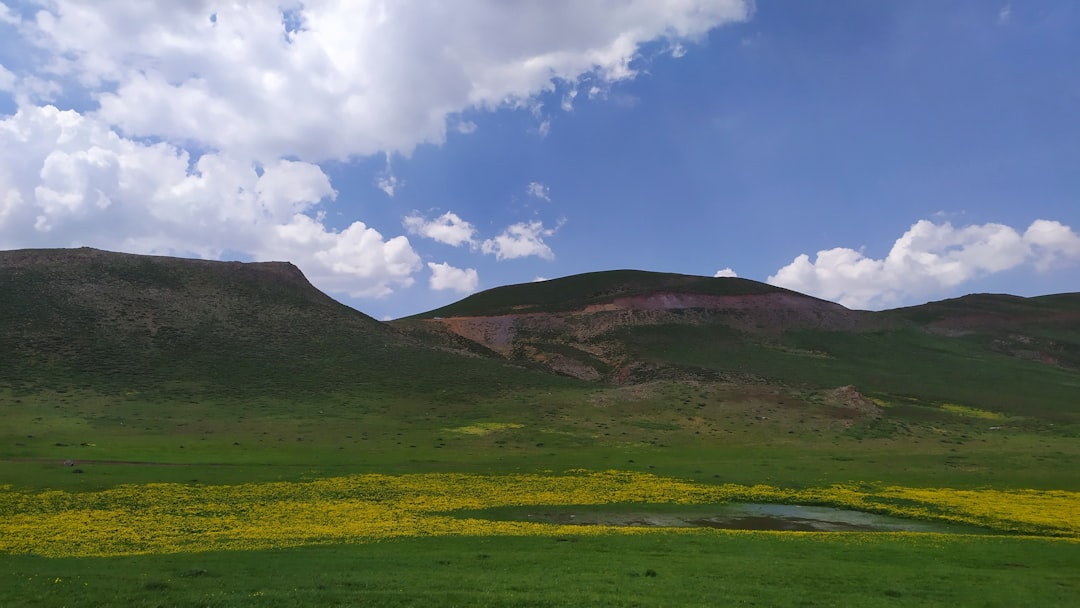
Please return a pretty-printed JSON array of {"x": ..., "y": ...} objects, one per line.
[{"x": 139, "y": 369}]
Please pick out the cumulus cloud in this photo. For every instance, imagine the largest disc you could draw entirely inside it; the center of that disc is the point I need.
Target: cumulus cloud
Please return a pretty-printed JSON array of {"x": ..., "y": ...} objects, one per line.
[
  {"x": 324, "y": 79},
  {"x": 539, "y": 190},
  {"x": 927, "y": 259},
  {"x": 357, "y": 260},
  {"x": 725, "y": 272},
  {"x": 447, "y": 228},
  {"x": 521, "y": 240},
  {"x": 68, "y": 180},
  {"x": 445, "y": 276}
]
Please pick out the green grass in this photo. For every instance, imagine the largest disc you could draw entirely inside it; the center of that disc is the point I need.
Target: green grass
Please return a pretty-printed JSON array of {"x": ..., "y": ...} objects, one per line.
[
  {"x": 899, "y": 364},
  {"x": 709, "y": 432},
  {"x": 662, "y": 569}
]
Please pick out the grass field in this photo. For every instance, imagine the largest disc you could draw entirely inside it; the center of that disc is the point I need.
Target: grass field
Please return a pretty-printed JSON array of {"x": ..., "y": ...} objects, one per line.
[
  {"x": 173, "y": 435},
  {"x": 266, "y": 459}
]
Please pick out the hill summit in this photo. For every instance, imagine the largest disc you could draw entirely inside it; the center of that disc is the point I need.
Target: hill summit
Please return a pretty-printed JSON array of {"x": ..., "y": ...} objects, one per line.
[{"x": 580, "y": 325}]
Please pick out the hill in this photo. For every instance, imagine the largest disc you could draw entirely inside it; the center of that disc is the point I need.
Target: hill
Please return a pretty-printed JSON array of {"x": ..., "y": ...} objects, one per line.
[
  {"x": 1003, "y": 352},
  {"x": 580, "y": 291},
  {"x": 117, "y": 322}
]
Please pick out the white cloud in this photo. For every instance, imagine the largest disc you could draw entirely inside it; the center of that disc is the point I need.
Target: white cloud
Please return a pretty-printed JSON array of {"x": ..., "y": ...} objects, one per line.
[
  {"x": 6, "y": 16},
  {"x": 356, "y": 261},
  {"x": 445, "y": 276},
  {"x": 67, "y": 180},
  {"x": 539, "y": 190},
  {"x": 725, "y": 272},
  {"x": 388, "y": 183},
  {"x": 1053, "y": 244},
  {"x": 521, "y": 240},
  {"x": 357, "y": 78},
  {"x": 567, "y": 103},
  {"x": 928, "y": 259},
  {"x": 447, "y": 228},
  {"x": 466, "y": 127}
]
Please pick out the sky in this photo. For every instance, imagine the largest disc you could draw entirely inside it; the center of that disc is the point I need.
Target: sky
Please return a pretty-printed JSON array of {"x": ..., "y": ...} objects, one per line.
[{"x": 407, "y": 153}]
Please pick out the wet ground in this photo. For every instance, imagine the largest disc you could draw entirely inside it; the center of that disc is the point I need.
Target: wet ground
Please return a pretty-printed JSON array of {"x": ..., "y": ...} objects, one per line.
[{"x": 742, "y": 516}]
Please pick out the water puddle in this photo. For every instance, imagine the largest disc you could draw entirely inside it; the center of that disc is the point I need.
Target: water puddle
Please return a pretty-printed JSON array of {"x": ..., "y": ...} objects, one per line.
[{"x": 736, "y": 516}]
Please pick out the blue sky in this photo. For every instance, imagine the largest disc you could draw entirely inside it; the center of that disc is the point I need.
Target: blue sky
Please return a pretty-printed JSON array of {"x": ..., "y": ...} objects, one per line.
[{"x": 406, "y": 154}]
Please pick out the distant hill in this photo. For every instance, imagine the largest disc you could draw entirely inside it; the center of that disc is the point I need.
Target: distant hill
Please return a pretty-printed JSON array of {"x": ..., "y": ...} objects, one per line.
[
  {"x": 584, "y": 325},
  {"x": 580, "y": 291},
  {"x": 631, "y": 326},
  {"x": 101, "y": 319},
  {"x": 111, "y": 322}
]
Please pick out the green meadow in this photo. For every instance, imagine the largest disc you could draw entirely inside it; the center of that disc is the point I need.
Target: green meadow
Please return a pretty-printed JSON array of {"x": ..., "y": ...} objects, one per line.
[
  {"x": 263, "y": 446},
  {"x": 706, "y": 434}
]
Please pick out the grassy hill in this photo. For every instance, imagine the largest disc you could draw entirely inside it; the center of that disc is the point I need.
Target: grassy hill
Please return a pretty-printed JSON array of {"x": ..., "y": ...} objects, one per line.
[
  {"x": 578, "y": 291},
  {"x": 1005, "y": 354},
  {"x": 117, "y": 322}
]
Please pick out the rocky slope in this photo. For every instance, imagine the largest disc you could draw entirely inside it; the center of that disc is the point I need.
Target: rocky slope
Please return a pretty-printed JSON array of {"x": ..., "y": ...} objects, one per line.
[
  {"x": 603, "y": 326},
  {"x": 576, "y": 325}
]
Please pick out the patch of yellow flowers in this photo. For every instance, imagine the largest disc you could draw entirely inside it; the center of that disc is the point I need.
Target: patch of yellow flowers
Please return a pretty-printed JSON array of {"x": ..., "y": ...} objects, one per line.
[
  {"x": 972, "y": 412},
  {"x": 170, "y": 518}
]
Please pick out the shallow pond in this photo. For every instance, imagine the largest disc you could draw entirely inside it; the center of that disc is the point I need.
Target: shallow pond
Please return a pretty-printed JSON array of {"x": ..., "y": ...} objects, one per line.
[{"x": 735, "y": 516}]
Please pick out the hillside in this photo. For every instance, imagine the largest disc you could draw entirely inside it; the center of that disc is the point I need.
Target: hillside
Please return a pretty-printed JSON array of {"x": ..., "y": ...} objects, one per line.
[
  {"x": 576, "y": 325},
  {"x": 631, "y": 326},
  {"x": 85, "y": 317}
]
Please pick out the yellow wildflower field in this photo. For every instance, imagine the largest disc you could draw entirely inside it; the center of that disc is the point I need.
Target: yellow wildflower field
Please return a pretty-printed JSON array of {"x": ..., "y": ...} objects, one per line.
[{"x": 171, "y": 518}]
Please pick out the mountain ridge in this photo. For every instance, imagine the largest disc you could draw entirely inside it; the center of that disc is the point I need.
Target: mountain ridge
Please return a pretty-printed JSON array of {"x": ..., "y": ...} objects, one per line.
[{"x": 99, "y": 317}]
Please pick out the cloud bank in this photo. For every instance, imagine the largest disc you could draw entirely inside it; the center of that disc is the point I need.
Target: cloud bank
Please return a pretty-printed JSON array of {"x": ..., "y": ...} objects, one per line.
[{"x": 929, "y": 258}]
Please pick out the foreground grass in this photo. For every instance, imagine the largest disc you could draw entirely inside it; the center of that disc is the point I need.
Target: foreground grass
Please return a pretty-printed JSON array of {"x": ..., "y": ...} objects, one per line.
[
  {"x": 708, "y": 568},
  {"x": 269, "y": 460}
]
